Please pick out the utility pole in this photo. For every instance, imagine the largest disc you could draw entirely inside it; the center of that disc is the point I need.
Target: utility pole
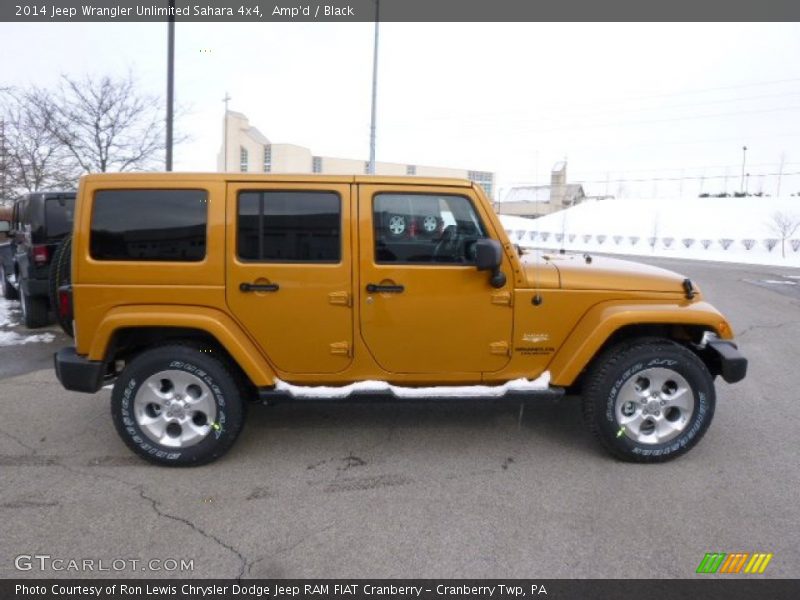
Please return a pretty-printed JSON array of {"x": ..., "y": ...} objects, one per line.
[
  {"x": 170, "y": 79},
  {"x": 3, "y": 164},
  {"x": 780, "y": 174},
  {"x": 371, "y": 166},
  {"x": 744, "y": 161},
  {"x": 226, "y": 99}
]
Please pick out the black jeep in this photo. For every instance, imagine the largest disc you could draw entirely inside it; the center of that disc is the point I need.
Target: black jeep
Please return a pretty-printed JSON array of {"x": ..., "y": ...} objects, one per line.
[{"x": 39, "y": 224}]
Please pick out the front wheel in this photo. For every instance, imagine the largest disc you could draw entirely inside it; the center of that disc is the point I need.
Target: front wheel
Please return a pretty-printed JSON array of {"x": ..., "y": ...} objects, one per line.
[
  {"x": 178, "y": 405},
  {"x": 649, "y": 401}
]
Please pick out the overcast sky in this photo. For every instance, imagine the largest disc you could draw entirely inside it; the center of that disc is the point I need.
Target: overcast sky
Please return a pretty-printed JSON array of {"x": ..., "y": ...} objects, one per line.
[{"x": 618, "y": 100}]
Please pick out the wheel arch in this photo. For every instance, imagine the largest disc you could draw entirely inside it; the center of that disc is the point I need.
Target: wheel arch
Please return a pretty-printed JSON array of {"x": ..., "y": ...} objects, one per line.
[
  {"x": 126, "y": 331},
  {"x": 612, "y": 323}
]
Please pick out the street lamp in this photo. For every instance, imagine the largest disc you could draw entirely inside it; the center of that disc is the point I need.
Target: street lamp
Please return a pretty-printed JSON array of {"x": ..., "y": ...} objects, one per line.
[
  {"x": 170, "y": 79},
  {"x": 744, "y": 160},
  {"x": 371, "y": 165}
]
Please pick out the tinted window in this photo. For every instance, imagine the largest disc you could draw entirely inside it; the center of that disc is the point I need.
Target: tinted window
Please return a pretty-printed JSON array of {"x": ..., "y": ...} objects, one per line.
[
  {"x": 58, "y": 215},
  {"x": 423, "y": 228},
  {"x": 158, "y": 225},
  {"x": 289, "y": 226}
]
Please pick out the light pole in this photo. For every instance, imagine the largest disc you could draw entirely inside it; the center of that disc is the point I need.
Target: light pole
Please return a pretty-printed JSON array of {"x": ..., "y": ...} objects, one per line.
[
  {"x": 744, "y": 160},
  {"x": 226, "y": 99},
  {"x": 371, "y": 166},
  {"x": 170, "y": 79}
]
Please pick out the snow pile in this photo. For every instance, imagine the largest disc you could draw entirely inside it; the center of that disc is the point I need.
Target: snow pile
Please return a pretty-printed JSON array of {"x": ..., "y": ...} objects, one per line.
[
  {"x": 468, "y": 391},
  {"x": 11, "y": 338},
  {"x": 741, "y": 230},
  {"x": 8, "y": 314}
]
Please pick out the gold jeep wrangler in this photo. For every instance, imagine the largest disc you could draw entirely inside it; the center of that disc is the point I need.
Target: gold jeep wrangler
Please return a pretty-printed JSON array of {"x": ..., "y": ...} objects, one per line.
[{"x": 195, "y": 293}]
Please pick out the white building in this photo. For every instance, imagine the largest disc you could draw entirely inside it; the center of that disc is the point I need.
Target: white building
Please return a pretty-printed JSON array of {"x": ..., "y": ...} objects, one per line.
[{"x": 247, "y": 150}]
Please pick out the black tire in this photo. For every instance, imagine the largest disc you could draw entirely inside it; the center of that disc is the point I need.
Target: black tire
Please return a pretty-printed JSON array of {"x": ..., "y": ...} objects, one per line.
[
  {"x": 625, "y": 383},
  {"x": 61, "y": 274},
  {"x": 34, "y": 311},
  {"x": 9, "y": 291},
  {"x": 196, "y": 362}
]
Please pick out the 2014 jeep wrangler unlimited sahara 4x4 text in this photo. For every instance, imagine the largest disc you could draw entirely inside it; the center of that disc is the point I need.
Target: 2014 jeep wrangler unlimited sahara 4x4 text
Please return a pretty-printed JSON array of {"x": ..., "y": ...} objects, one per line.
[{"x": 196, "y": 293}]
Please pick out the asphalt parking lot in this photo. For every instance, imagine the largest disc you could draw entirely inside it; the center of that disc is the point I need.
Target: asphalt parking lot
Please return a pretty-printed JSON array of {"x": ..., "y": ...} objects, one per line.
[{"x": 414, "y": 489}]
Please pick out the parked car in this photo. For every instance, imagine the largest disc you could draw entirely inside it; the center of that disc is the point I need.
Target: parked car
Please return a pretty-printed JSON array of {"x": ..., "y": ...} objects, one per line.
[
  {"x": 39, "y": 224},
  {"x": 196, "y": 293}
]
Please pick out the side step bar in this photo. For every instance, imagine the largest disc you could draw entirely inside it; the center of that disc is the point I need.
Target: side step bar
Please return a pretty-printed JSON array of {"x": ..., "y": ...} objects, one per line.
[{"x": 389, "y": 393}]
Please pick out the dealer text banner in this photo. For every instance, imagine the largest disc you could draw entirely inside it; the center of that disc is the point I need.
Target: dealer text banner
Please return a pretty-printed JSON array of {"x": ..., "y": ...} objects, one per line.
[
  {"x": 398, "y": 589},
  {"x": 399, "y": 10}
]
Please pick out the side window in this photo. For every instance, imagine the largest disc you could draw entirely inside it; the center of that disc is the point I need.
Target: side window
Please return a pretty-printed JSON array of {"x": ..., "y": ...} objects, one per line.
[
  {"x": 58, "y": 216},
  {"x": 289, "y": 226},
  {"x": 425, "y": 228},
  {"x": 149, "y": 225}
]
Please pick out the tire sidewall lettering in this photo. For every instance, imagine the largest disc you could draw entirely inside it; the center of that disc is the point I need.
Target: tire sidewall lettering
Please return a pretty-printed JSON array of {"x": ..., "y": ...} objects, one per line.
[
  {"x": 134, "y": 433},
  {"x": 699, "y": 419}
]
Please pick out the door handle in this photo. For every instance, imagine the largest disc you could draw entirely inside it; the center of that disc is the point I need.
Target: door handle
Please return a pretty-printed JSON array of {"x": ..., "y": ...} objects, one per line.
[
  {"x": 374, "y": 288},
  {"x": 259, "y": 287}
]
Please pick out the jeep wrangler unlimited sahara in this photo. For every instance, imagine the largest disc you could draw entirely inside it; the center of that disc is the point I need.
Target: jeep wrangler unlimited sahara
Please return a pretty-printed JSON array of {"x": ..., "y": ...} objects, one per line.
[{"x": 196, "y": 293}]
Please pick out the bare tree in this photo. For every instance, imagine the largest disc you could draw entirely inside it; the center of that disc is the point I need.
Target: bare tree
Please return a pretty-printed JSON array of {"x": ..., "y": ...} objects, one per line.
[
  {"x": 106, "y": 124},
  {"x": 785, "y": 226},
  {"x": 32, "y": 158}
]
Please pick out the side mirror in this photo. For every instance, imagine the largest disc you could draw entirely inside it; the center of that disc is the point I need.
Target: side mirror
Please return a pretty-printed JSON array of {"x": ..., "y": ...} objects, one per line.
[
  {"x": 5, "y": 226},
  {"x": 489, "y": 257}
]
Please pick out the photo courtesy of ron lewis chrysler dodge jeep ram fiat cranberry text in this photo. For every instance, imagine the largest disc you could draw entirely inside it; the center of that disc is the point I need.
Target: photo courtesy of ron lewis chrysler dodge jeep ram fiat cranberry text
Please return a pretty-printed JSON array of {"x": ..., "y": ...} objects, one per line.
[{"x": 196, "y": 293}]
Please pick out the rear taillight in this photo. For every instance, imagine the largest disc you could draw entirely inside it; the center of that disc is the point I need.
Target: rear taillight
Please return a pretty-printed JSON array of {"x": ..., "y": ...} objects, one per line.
[
  {"x": 40, "y": 254},
  {"x": 65, "y": 302}
]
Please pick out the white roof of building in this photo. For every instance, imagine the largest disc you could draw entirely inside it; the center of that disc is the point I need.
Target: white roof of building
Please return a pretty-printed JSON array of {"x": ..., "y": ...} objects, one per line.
[
  {"x": 527, "y": 193},
  {"x": 256, "y": 135}
]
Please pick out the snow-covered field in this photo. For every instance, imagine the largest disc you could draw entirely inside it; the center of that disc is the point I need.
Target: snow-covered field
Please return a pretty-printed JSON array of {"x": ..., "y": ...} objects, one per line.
[
  {"x": 10, "y": 315},
  {"x": 738, "y": 230}
]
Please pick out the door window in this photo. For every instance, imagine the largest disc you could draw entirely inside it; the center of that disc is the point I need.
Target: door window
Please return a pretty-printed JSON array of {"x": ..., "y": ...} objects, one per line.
[
  {"x": 425, "y": 228},
  {"x": 289, "y": 226}
]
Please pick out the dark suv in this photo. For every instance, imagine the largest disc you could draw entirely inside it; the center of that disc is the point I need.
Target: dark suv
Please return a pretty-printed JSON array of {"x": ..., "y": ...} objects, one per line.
[{"x": 39, "y": 223}]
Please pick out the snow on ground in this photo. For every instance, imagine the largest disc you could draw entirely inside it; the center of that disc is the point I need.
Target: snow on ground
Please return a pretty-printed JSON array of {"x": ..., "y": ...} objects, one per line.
[
  {"x": 721, "y": 229},
  {"x": 9, "y": 317},
  {"x": 468, "y": 391}
]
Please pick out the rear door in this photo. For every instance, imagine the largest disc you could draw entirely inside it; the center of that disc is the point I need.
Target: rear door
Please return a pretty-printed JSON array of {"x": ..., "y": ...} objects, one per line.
[
  {"x": 289, "y": 272},
  {"x": 425, "y": 308}
]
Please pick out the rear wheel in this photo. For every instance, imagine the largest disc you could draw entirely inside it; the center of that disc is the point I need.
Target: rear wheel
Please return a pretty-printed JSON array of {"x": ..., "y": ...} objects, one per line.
[
  {"x": 9, "y": 291},
  {"x": 648, "y": 401},
  {"x": 178, "y": 405},
  {"x": 61, "y": 274},
  {"x": 34, "y": 311}
]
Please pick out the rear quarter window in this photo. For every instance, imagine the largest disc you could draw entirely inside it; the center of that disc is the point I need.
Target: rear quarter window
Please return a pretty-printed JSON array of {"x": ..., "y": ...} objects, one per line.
[
  {"x": 149, "y": 225},
  {"x": 58, "y": 216}
]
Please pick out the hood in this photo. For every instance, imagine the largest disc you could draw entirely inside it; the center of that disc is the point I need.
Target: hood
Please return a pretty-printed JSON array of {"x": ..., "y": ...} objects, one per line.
[{"x": 602, "y": 273}]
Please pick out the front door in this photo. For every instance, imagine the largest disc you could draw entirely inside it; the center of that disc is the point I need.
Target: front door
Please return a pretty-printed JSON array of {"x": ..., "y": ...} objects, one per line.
[
  {"x": 425, "y": 308},
  {"x": 289, "y": 272}
]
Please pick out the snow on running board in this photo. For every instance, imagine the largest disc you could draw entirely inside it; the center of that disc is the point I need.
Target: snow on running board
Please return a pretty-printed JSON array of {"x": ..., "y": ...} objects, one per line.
[{"x": 467, "y": 391}]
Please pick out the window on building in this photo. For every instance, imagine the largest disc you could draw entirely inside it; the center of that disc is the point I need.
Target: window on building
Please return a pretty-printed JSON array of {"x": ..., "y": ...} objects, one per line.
[
  {"x": 485, "y": 179},
  {"x": 411, "y": 169},
  {"x": 149, "y": 225},
  {"x": 316, "y": 164},
  {"x": 267, "y": 158},
  {"x": 289, "y": 226},
  {"x": 243, "y": 159},
  {"x": 425, "y": 228}
]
